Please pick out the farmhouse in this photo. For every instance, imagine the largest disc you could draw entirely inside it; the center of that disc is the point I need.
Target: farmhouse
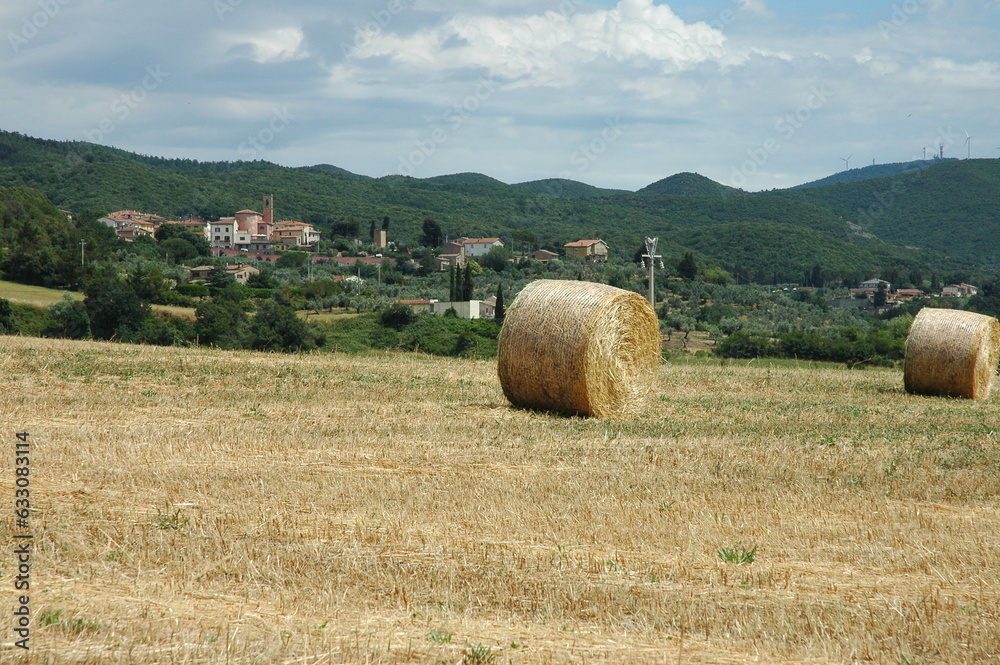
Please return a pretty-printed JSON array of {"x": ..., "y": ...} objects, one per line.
[
  {"x": 418, "y": 306},
  {"x": 542, "y": 255},
  {"x": 241, "y": 272},
  {"x": 959, "y": 291},
  {"x": 475, "y": 247},
  {"x": 594, "y": 251},
  {"x": 871, "y": 285},
  {"x": 488, "y": 308}
]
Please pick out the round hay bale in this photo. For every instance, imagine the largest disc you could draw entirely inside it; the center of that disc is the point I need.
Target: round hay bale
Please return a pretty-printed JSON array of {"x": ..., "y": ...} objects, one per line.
[
  {"x": 950, "y": 352},
  {"x": 578, "y": 348}
]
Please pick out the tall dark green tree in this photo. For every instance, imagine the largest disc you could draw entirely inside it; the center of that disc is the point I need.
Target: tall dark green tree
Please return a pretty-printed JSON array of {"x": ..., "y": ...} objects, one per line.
[
  {"x": 452, "y": 291},
  {"x": 197, "y": 241},
  {"x": 687, "y": 268},
  {"x": 114, "y": 309},
  {"x": 432, "y": 234},
  {"x": 69, "y": 319},
  {"x": 880, "y": 296},
  {"x": 222, "y": 323},
  {"x": 277, "y": 327},
  {"x": 500, "y": 310},
  {"x": 467, "y": 286}
]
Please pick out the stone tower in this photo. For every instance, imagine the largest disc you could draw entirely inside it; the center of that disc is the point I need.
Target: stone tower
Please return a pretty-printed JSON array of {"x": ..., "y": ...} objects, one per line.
[{"x": 268, "y": 209}]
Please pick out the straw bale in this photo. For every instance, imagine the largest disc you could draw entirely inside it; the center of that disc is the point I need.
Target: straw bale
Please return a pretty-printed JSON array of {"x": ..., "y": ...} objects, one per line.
[
  {"x": 578, "y": 348},
  {"x": 951, "y": 352}
]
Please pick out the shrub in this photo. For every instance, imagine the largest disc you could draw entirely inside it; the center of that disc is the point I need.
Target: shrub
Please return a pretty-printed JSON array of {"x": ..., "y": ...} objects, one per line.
[{"x": 397, "y": 317}]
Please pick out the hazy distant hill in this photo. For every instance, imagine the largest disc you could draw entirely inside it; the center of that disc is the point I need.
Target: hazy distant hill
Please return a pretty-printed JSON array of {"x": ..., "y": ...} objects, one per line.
[
  {"x": 874, "y": 171},
  {"x": 569, "y": 189},
  {"x": 778, "y": 234}
]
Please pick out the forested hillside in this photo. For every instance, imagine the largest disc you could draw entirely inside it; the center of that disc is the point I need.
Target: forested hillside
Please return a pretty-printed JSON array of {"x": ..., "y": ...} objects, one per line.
[
  {"x": 952, "y": 207},
  {"x": 950, "y": 211}
]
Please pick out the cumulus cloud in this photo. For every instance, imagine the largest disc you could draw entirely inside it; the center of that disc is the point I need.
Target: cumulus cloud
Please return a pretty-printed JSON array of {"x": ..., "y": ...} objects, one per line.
[{"x": 553, "y": 48}]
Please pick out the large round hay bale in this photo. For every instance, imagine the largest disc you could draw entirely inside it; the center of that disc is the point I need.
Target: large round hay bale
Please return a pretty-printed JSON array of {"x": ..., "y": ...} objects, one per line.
[
  {"x": 578, "y": 348},
  {"x": 950, "y": 352}
]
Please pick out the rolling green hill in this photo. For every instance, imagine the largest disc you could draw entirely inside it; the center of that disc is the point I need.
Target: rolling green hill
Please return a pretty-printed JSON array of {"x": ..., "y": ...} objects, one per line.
[
  {"x": 569, "y": 189},
  {"x": 786, "y": 232},
  {"x": 686, "y": 184},
  {"x": 951, "y": 207}
]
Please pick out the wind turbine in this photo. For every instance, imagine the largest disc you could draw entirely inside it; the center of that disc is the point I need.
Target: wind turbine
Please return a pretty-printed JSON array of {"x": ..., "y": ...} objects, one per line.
[
  {"x": 968, "y": 143},
  {"x": 847, "y": 161}
]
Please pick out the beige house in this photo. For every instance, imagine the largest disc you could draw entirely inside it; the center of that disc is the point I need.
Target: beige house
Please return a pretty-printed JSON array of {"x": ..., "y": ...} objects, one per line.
[
  {"x": 452, "y": 254},
  {"x": 594, "y": 251},
  {"x": 542, "y": 256},
  {"x": 241, "y": 272},
  {"x": 295, "y": 234},
  {"x": 959, "y": 291},
  {"x": 418, "y": 306}
]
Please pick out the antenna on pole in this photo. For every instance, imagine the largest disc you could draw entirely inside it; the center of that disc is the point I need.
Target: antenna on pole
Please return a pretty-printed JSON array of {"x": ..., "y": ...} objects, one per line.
[{"x": 652, "y": 256}]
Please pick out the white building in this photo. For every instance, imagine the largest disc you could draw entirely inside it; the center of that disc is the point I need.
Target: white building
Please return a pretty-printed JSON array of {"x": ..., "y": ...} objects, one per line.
[{"x": 478, "y": 246}]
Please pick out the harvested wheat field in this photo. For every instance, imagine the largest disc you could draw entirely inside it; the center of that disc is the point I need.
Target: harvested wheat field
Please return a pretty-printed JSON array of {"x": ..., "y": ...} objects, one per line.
[{"x": 199, "y": 506}]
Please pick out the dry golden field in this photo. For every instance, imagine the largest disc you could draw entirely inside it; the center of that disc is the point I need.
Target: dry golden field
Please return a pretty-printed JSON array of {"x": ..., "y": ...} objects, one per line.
[{"x": 200, "y": 506}]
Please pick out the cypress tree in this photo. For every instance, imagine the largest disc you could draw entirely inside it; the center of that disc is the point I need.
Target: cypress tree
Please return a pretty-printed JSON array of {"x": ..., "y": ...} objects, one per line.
[
  {"x": 500, "y": 310},
  {"x": 467, "y": 283}
]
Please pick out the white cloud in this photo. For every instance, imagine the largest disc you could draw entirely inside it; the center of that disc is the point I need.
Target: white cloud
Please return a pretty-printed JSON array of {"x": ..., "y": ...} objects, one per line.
[{"x": 554, "y": 49}]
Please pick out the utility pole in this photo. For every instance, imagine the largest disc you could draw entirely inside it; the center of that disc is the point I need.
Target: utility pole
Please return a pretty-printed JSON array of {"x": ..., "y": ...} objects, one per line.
[
  {"x": 651, "y": 256},
  {"x": 82, "y": 260}
]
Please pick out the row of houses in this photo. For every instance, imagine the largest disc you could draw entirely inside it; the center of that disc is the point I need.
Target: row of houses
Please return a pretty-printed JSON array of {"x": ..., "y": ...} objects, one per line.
[
  {"x": 870, "y": 287},
  {"x": 246, "y": 231},
  {"x": 457, "y": 251}
]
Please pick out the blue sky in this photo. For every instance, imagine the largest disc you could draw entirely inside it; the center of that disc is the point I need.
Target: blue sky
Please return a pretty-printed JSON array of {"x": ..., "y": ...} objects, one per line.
[{"x": 756, "y": 94}]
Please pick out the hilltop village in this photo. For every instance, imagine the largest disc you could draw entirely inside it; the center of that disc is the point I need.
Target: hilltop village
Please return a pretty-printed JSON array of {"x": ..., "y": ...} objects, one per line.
[{"x": 249, "y": 237}]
